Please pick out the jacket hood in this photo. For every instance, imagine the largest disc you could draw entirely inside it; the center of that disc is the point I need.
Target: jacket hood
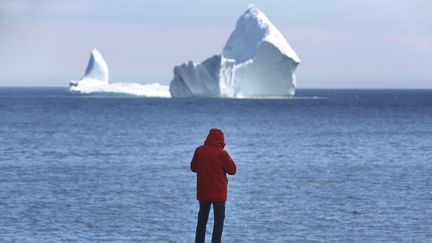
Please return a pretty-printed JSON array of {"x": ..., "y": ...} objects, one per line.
[{"x": 215, "y": 138}]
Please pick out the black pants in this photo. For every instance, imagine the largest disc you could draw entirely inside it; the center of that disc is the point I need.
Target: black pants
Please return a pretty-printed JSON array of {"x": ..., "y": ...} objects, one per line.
[{"x": 219, "y": 216}]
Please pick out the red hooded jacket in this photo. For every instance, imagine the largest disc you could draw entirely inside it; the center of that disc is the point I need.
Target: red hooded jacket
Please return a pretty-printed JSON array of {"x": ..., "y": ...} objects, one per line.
[{"x": 211, "y": 163}]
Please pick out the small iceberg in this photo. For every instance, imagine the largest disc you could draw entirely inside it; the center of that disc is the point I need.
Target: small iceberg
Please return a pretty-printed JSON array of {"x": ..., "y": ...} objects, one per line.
[{"x": 96, "y": 81}]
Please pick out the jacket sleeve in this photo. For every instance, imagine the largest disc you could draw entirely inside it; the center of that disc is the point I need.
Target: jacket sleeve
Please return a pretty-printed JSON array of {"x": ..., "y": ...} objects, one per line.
[
  {"x": 194, "y": 162},
  {"x": 228, "y": 164}
]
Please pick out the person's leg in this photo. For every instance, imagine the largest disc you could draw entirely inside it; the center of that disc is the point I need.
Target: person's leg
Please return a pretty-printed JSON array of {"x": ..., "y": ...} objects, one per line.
[
  {"x": 219, "y": 217},
  {"x": 202, "y": 221}
]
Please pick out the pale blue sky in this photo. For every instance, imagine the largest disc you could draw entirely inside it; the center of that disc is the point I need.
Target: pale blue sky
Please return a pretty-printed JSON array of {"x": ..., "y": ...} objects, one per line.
[{"x": 342, "y": 44}]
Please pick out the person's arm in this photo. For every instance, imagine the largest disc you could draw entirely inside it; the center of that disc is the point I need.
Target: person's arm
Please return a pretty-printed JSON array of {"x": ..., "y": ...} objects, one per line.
[
  {"x": 228, "y": 164},
  {"x": 193, "y": 162}
]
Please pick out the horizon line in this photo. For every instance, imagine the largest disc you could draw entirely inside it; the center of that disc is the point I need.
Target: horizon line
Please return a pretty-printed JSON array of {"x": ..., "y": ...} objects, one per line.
[{"x": 307, "y": 88}]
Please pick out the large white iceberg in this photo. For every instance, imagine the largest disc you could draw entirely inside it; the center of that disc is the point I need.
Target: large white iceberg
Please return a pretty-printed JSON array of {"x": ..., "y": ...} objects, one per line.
[
  {"x": 256, "y": 61},
  {"x": 96, "y": 80}
]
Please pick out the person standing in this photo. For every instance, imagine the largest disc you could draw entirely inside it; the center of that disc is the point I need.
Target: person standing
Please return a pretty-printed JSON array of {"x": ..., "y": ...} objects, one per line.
[{"x": 211, "y": 163}]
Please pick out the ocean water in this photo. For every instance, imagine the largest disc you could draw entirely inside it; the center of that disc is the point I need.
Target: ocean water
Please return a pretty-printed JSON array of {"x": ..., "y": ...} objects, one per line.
[{"x": 326, "y": 166}]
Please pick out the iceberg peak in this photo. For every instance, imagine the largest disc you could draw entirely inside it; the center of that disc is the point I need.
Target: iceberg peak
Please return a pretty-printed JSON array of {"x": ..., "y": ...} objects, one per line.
[
  {"x": 97, "y": 69},
  {"x": 252, "y": 28},
  {"x": 252, "y": 9}
]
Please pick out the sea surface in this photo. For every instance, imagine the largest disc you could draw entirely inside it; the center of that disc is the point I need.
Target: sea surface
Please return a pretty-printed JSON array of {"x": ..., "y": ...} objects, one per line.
[{"x": 325, "y": 166}]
